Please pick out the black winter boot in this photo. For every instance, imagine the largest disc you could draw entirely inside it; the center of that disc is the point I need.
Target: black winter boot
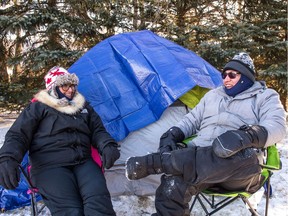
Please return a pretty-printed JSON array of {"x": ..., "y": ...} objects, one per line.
[
  {"x": 140, "y": 167},
  {"x": 155, "y": 163}
]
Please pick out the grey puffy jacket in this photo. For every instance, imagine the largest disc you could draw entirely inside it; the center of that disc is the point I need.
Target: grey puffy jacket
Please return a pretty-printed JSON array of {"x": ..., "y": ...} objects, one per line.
[{"x": 217, "y": 112}]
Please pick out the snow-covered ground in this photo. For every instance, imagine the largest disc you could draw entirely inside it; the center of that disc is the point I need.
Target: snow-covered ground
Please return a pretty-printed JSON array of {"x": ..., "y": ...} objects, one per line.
[{"x": 144, "y": 206}]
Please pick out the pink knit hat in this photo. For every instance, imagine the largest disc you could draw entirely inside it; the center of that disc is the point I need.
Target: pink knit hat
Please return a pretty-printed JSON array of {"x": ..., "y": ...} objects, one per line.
[{"x": 52, "y": 74}]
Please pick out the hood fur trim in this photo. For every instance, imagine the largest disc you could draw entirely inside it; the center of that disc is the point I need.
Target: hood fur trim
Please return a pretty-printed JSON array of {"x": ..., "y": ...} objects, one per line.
[{"x": 62, "y": 105}]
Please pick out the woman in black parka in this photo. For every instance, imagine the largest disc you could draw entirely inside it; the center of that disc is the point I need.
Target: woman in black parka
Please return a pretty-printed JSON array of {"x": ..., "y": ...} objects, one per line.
[{"x": 58, "y": 129}]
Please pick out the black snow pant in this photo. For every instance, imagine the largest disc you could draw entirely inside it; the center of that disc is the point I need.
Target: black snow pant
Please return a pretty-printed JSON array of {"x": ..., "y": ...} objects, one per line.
[
  {"x": 202, "y": 169},
  {"x": 74, "y": 190}
]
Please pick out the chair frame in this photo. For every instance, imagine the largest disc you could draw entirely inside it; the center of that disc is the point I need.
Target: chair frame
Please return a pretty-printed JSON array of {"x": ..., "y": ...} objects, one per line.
[
  {"x": 209, "y": 196},
  {"x": 32, "y": 191}
]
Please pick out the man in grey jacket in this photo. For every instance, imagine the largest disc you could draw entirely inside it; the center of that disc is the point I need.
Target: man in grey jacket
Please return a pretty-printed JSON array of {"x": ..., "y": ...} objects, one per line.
[{"x": 232, "y": 123}]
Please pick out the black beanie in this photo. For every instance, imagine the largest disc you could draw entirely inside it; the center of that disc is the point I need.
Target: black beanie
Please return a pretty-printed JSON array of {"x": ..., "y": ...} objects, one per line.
[{"x": 242, "y": 63}]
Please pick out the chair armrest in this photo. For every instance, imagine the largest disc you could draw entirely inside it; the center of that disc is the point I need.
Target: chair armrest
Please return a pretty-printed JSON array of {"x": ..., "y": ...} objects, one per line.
[{"x": 273, "y": 161}]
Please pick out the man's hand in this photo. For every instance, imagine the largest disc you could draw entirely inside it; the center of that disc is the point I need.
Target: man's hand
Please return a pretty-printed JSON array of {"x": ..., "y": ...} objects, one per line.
[
  {"x": 231, "y": 142},
  {"x": 169, "y": 140}
]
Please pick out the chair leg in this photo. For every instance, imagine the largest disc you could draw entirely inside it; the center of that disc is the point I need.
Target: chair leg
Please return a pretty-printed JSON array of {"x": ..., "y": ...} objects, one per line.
[
  {"x": 193, "y": 202},
  {"x": 216, "y": 206},
  {"x": 222, "y": 204},
  {"x": 267, "y": 195},
  {"x": 34, "y": 205},
  {"x": 251, "y": 208},
  {"x": 197, "y": 197},
  {"x": 40, "y": 210},
  {"x": 32, "y": 193}
]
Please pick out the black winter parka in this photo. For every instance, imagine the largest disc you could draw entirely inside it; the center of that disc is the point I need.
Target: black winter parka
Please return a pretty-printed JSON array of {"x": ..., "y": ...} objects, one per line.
[{"x": 56, "y": 132}]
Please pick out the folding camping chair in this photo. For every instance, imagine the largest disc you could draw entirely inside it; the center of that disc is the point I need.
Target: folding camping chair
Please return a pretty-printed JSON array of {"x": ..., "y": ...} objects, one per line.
[{"x": 272, "y": 163}]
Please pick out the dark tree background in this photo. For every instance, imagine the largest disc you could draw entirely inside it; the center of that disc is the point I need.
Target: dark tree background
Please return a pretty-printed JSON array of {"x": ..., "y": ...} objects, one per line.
[{"x": 38, "y": 34}]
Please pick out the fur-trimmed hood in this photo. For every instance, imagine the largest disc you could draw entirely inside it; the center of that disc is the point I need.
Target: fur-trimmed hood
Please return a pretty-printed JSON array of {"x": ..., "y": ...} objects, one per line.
[{"x": 62, "y": 105}]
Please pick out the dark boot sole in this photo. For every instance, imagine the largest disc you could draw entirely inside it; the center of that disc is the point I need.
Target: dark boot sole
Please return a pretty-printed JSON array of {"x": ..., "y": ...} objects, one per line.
[{"x": 135, "y": 168}]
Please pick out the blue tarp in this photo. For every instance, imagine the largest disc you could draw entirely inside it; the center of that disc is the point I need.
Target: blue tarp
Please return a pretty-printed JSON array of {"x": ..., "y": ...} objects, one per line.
[{"x": 131, "y": 78}]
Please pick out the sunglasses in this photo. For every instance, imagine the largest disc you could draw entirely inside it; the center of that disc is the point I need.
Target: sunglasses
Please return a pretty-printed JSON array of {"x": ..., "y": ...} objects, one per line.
[
  {"x": 231, "y": 75},
  {"x": 67, "y": 87}
]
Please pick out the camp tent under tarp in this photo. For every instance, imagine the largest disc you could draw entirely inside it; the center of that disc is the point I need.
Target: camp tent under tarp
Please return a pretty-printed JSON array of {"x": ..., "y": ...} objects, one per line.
[
  {"x": 131, "y": 78},
  {"x": 146, "y": 140}
]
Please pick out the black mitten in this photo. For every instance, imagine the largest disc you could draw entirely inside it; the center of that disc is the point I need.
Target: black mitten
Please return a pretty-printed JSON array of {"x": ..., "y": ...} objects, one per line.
[
  {"x": 231, "y": 142},
  {"x": 169, "y": 140},
  {"x": 110, "y": 154},
  {"x": 10, "y": 173}
]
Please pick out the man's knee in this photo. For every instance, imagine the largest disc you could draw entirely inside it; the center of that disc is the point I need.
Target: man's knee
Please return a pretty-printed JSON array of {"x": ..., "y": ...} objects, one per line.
[{"x": 183, "y": 160}]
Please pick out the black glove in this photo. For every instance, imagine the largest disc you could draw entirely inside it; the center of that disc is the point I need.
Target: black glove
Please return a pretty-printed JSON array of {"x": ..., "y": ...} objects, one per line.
[
  {"x": 10, "y": 173},
  {"x": 169, "y": 140},
  {"x": 110, "y": 154},
  {"x": 231, "y": 142}
]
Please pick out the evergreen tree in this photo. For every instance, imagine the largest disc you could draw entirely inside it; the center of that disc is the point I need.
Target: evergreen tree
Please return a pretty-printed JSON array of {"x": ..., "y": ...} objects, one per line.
[{"x": 36, "y": 35}]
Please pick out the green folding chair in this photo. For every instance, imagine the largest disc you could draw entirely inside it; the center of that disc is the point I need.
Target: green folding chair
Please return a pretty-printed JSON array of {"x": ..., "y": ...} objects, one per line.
[{"x": 273, "y": 163}]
